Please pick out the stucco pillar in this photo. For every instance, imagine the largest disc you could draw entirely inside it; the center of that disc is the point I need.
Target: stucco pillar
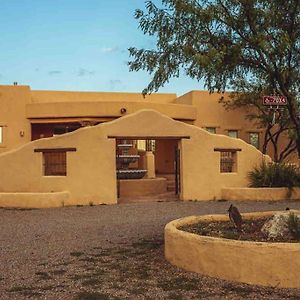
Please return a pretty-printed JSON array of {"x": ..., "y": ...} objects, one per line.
[{"x": 150, "y": 165}]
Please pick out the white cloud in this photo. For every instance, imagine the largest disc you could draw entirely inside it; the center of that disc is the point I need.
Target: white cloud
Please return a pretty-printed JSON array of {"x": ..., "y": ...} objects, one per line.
[{"x": 109, "y": 49}]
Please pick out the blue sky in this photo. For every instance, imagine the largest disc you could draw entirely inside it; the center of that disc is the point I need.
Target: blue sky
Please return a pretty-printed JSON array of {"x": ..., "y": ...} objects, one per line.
[{"x": 75, "y": 45}]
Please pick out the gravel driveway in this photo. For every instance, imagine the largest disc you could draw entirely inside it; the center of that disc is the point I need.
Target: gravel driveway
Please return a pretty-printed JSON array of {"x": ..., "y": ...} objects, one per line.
[{"x": 110, "y": 252}]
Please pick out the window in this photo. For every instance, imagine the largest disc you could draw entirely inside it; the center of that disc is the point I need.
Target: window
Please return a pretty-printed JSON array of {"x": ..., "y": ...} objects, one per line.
[
  {"x": 211, "y": 130},
  {"x": 233, "y": 133},
  {"x": 1, "y": 134},
  {"x": 146, "y": 145},
  {"x": 228, "y": 159},
  {"x": 64, "y": 128},
  {"x": 55, "y": 160},
  {"x": 150, "y": 145},
  {"x": 254, "y": 139},
  {"x": 227, "y": 162},
  {"x": 55, "y": 163},
  {"x": 141, "y": 145}
]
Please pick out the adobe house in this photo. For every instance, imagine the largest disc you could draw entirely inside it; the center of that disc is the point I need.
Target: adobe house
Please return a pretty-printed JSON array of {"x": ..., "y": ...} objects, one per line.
[
  {"x": 67, "y": 148},
  {"x": 80, "y": 167},
  {"x": 28, "y": 115}
]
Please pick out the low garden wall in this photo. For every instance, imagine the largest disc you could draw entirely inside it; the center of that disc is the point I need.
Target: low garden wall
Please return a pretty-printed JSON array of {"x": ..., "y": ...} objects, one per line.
[
  {"x": 267, "y": 264},
  {"x": 259, "y": 194},
  {"x": 34, "y": 200},
  {"x": 142, "y": 187}
]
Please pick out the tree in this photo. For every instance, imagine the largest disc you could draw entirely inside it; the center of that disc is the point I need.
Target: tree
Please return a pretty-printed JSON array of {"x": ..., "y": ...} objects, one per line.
[
  {"x": 245, "y": 46},
  {"x": 262, "y": 117}
]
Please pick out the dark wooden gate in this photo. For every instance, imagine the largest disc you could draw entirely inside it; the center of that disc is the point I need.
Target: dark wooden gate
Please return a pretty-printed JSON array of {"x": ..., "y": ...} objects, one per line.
[{"x": 177, "y": 171}]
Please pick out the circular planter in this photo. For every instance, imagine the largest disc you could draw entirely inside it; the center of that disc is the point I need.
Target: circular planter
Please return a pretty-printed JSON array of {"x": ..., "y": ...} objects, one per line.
[{"x": 267, "y": 264}]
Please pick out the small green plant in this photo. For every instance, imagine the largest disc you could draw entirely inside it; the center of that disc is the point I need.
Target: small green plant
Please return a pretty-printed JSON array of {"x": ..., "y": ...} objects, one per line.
[
  {"x": 293, "y": 223},
  {"x": 76, "y": 253},
  {"x": 275, "y": 175}
]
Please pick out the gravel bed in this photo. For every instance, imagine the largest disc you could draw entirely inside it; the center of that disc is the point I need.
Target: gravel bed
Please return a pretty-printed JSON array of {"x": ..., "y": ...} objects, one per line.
[{"x": 110, "y": 252}]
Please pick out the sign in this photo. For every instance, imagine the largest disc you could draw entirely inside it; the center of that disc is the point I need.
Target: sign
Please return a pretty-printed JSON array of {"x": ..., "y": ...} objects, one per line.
[{"x": 274, "y": 100}]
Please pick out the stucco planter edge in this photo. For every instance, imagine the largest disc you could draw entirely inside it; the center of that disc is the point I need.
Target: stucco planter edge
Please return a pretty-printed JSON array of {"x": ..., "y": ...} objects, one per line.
[{"x": 249, "y": 262}]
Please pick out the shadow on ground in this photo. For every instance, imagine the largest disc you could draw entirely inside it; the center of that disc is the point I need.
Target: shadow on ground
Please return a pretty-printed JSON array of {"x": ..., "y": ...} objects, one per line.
[{"x": 138, "y": 271}]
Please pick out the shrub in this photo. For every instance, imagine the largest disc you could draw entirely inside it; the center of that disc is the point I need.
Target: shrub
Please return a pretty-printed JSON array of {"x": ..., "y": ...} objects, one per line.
[
  {"x": 293, "y": 223},
  {"x": 275, "y": 175}
]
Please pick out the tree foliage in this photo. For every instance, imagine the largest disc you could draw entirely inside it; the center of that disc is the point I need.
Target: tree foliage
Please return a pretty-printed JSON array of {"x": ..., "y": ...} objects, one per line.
[
  {"x": 262, "y": 117},
  {"x": 248, "y": 46}
]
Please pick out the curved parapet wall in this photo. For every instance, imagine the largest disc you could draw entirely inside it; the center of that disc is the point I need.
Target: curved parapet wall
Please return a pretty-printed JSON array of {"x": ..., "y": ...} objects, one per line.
[
  {"x": 259, "y": 194},
  {"x": 90, "y": 162},
  {"x": 267, "y": 264},
  {"x": 34, "y": 200}
]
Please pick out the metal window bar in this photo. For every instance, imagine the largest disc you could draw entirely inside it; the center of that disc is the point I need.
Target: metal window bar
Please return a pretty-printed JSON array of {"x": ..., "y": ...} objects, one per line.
[
  {"x": 226, "y": 162},
  {"x": 55, "y": 163},
  {"x": 150, "y": 145}
]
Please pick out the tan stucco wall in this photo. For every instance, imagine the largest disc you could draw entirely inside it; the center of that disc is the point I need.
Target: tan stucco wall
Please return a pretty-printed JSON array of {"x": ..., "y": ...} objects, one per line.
[
  {"x": 259, "y": 194},
  {"x": 211, "y": 113},
  {"x": 105, "y": 109},
  {"x": 144, "y": 187},
  {"x": 13, "y": 101},
  {"x": 66, "y": 96},
  {"x": 91, "y": 169},
  {"x": 268, "y": 264},
  {"x": 34, "y": 200}
]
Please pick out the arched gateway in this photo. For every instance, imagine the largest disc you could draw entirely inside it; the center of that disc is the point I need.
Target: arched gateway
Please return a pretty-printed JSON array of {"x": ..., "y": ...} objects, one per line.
[{"x": 83, "y": 165}]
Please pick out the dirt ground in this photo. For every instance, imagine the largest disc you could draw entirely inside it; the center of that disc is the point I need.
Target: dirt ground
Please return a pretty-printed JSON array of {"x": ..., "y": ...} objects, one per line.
[{"x": 110, "y": 252}]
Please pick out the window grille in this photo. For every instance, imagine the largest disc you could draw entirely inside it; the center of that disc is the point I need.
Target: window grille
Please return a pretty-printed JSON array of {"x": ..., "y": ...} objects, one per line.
[
  {"x": 227, "y": 162},
  {"x": 228, "y": 159},
  {"x": 150, "y": 145},
  {"x": 55, "y": 163},
  {"x": 54, "y": 160}
]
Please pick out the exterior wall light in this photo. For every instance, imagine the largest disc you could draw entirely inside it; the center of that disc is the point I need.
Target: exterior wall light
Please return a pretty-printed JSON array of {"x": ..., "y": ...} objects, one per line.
[
  {"x": 123, "y": 110},
  {"x": 22, "y": 133}
]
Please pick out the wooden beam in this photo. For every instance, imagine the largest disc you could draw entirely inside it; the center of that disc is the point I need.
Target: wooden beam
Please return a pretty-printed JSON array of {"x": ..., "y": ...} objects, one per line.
[
  {"x": 55, "y": 150},
  {"x": 227, "y": 149},
  {"x": 148, "y": 137}
]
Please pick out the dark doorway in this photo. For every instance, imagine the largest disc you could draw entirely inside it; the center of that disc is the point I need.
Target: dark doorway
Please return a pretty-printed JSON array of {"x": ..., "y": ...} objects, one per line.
[{"x": 164, "y": 185}]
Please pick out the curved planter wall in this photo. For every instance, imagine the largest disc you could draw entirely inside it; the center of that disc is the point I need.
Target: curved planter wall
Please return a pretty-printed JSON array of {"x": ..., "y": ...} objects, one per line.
[{"x": 268, "y": 264}]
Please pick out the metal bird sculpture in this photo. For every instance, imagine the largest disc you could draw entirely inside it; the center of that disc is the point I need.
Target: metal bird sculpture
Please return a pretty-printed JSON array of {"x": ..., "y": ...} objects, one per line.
[{"x": 235, "y": 217}]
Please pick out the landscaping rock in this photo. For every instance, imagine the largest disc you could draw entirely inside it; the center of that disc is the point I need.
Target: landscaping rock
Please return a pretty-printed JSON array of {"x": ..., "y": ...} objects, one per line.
[{"x": 277, "y": 226}]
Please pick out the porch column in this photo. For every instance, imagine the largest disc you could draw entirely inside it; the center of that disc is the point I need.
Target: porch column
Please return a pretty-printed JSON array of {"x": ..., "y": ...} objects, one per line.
[{"x": 150, "y": 164}]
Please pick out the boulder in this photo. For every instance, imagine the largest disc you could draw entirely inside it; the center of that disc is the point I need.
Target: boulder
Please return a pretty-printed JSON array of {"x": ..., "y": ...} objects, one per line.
[{"x": 277, "y": 226}]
